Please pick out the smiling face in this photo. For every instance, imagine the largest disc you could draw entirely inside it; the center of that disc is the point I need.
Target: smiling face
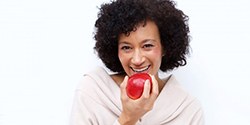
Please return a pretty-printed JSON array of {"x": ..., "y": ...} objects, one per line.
[{"x": 141, "y": 51}]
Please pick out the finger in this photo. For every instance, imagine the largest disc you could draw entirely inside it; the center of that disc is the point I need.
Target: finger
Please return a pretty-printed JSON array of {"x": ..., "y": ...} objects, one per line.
[
  {"x": 155, "y": 87},
  {"x": 146, "y": 89}
]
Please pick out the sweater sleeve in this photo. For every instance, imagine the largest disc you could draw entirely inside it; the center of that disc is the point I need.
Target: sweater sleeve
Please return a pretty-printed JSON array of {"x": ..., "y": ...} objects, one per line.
[
  {"x": 198, "y": 114},
  {"x": 88, "y": 109},
  {"x": 116, "y": 122},
  {"x": 198, "y": 118},
  {"x": 80, "y": 114}
]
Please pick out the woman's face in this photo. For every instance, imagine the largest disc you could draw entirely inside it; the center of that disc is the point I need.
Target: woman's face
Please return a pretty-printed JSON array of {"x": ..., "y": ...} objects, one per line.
[{"x": 141, "y": 51}]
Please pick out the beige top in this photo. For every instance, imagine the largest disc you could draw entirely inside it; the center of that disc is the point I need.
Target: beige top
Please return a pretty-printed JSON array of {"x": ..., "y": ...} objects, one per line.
[{"x": 97, "y": 102}]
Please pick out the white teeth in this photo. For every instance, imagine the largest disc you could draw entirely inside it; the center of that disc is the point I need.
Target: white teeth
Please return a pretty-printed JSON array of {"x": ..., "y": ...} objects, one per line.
[{"x": 140, "y": 70}]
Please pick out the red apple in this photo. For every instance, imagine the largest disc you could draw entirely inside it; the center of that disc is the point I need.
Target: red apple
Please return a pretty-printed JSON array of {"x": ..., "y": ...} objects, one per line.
[{"x": 136, "y": 84}]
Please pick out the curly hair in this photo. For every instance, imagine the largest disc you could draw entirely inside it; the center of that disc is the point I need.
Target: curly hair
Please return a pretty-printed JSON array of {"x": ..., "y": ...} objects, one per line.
[{"x": 122, "y": 16}]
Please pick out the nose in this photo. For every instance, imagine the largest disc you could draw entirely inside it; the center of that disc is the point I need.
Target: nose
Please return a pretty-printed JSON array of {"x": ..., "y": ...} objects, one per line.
[{"x": 137, "y": 58}]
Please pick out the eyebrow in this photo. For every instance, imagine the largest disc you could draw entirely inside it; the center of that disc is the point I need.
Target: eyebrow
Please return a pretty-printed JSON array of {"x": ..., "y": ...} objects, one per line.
[
  {"x": 146, "y": 40},
  {"x": 123, "y": 43},
  {"x": 143, "y": 41}
]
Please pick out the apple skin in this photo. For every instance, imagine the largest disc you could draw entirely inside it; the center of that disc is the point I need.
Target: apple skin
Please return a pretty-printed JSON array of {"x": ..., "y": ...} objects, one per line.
[{"x": 136, "y": 84}]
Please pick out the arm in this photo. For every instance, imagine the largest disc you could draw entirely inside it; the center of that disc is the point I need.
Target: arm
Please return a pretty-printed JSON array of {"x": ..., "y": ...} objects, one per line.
[
  {"x": 89, "y": 107},
  {"x": 80, "y": 114},
  {"x": 198, "y": 118}
]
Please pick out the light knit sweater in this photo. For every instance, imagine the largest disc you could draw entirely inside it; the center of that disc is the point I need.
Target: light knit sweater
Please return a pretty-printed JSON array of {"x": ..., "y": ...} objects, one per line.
[{"x": 97, "y": 102}]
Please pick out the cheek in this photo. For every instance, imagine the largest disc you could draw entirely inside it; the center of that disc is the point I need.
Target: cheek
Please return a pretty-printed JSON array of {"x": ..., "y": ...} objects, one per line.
[
  {"x": 122, "y": 58},
  {"x": 156, "y": 54},
  {"x": 156, "y": 58}
]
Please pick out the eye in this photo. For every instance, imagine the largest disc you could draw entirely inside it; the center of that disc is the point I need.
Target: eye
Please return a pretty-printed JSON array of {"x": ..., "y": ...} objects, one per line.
[
  {"x": 125, "y": 47},
  {"x": 148, "y": 46}
]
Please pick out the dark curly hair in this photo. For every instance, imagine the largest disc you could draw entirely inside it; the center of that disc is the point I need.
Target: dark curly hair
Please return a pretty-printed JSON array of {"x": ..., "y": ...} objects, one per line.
[{"x": 122, "y": 16}]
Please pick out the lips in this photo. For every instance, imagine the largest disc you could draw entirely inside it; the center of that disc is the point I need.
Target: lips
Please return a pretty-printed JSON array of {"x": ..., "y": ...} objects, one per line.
[{"x": 139, "y": 70}]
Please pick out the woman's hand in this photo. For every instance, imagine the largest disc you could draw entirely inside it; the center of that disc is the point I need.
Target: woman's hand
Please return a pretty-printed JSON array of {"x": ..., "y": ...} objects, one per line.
[{"x": 133, "y": 110}]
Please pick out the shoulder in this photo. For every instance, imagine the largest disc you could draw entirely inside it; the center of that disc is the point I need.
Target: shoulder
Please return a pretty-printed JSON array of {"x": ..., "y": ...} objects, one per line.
[
  {"x": 190, "y": 105},
  {"x": 174, "y": 87},
  {"x": 184, "y": 100},
  {"x": 93, "y": 79}
]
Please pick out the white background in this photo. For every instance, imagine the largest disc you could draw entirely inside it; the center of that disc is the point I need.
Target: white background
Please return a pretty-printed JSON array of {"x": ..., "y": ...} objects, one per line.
[{"x": 46, "y": 46}]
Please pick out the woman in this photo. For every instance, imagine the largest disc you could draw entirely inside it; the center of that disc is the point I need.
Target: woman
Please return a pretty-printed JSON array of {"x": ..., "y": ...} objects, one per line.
[{"x": 137, "y": 36}]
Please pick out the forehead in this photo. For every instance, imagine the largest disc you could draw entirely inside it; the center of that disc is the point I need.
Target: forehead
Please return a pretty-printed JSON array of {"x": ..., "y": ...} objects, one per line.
[{"x": 147, "y": 30}]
